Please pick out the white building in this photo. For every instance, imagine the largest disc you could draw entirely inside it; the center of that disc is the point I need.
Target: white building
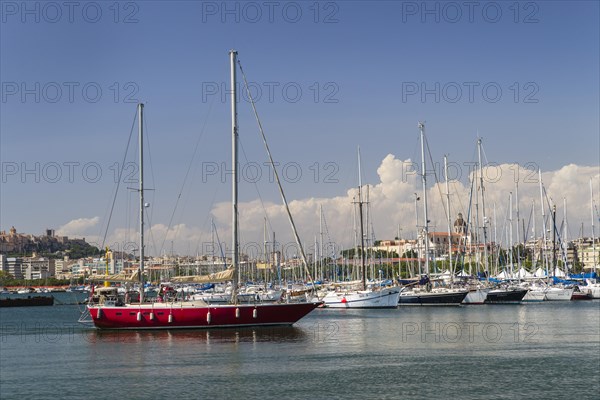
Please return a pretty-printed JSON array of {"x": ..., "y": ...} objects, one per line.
[
  {"x": 400, "y": 247},
  {"x": 13, "y": 266},
  {"x": 38, "y": 268},
  {"x": 589, "y": 253}
]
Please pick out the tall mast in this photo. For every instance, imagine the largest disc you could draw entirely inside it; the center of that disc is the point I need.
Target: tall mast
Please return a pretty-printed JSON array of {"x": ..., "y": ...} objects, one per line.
[
  {"x": 354, "y": 226},
  {"x": 543, "y": 249},
  {"x": 533, "y": 258},
  {"x": 234, "y": 178},
  {"x": 449, "y": 220},
  {"x": 275, "y": 260},
  {"x": 594, "y": 263},
  {"x": 496, "y": 256},
  {"x": 554, "y": 240},
  {"x": 212, "y": 239},
  {"x": 565, "y": 243},
  {"x": 518, "y": 229},
  {"x": 397, "y": 242},
  {"x": 485, "y": 254},
  {"x": 315, "y": 258},
  {"x": 417, "y": 226},
  {"x": 510, "y": 236},
  {"x": 424, "y": 180},
  {"x": 362, "y": 235},
  {"x": 476, "y": 235},
  {"x": 321, "y": 256},
  {"x": 141, "y": 189},
  {"x": 265, "y": 249},
  {"x": 369, "y": 235}
]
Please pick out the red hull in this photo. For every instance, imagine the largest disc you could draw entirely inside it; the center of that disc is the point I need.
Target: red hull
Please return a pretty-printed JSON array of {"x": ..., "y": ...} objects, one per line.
[
  {"x": 581, "y": 296},
  {"x": 188, "y": 315}
]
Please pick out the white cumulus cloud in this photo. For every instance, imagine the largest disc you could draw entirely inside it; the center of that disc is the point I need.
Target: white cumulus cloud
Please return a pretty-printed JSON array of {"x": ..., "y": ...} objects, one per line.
[
  {"x": 78, "y": 227},
  {"x": 391, "y": 203},
  {"x": 390, "y": 208}
]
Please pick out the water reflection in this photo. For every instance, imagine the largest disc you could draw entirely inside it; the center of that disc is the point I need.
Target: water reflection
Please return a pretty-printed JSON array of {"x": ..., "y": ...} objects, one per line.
[
  {"x": 336, "y": 354},
  {"x": 213, "y": 336}
]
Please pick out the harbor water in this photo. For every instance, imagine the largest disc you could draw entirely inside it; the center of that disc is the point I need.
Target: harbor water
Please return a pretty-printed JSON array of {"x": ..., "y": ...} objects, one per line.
[{"x": 549, "y": 350}]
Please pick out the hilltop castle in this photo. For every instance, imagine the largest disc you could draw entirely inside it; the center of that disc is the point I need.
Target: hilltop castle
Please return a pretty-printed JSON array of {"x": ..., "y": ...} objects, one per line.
[{"x": 13, "y": 242}]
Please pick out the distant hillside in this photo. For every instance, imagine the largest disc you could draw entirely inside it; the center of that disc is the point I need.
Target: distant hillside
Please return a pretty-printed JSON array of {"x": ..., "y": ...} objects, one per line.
[{"x": 50, "y": 245}]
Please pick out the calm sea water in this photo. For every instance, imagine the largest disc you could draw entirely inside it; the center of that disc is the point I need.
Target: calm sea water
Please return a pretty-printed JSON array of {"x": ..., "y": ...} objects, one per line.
[{"x": 534, "y": 351}]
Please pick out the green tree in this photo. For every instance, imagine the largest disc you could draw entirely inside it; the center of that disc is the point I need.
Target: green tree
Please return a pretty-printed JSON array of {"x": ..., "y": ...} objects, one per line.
[
  {"x": 5, "y": 277},
  {"x": 410, "y": 254}
]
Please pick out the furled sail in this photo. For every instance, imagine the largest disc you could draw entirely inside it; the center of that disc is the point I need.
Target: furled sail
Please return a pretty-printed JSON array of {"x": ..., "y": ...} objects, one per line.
[
  {"x": 222, "y": 276},
  {"x": 264, "y": 265},
  {"x": 120, "y": 277}
]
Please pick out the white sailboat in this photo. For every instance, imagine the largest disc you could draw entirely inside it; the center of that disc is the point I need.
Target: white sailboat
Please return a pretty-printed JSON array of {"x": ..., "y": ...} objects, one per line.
[
  {"x": 592, "y": 287},
  {"x": 504, "y": 293},
  {"x": 478, "y": 291},
  {"x": 476, "y": 295},
  {"x": 536, "y": 293},
  {"x": 367, "y": 297},
  {"x": 553, "y": 293},
  {"x": 557, "y": 293}
]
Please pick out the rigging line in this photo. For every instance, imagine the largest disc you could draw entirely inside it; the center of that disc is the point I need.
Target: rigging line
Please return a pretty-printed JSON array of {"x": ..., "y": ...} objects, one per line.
[
  {"x": 416, "y": 156},
  {"x": 212, "y": 202},
  {"x": 147, "y": 137},
  {"x": 187, "y": 172},
  {"x": 437, "y": 182},
  {"x": 485, "y": 158},
  {"x": 220, "y": 246},
  {"x": 327, "y": 233},
  {"x": 127, "y": 216},
  {"x": 526, "y": 233},
  {"x": 416, "y": 153},
  {"x": 469, "y": 212},
  {"x": 209, "y": 215},
  {"x": 474, "y": 156},
  {"x": 550, "y": 210},
  {"x": 151, "y": 231},
  {"x": 307, "y": 271},
  {"x": 502, "y": 238},
  {"x": 551, "y": 215},
  {"x": 256, "y": 186},
  {"x": 454, "y": 185},
  {"x": 119, "y": 180}
]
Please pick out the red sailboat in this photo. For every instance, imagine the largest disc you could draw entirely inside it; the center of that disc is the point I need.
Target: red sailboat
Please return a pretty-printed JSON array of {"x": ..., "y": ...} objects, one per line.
[{"x": 107, "y": 310}]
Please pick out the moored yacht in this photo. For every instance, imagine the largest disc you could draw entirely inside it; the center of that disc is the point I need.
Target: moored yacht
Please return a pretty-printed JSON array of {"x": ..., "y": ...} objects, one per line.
[
  {"x": 385, "y": 297},
  {"x": 435, "y": 296},
  {"x": 108, "y": 310},
  {"x": 476, "y": 295},
  {"x": 506, "y": 295},
  {"x": 372, "y": 296},
  {"x": 556, "y": 293}
]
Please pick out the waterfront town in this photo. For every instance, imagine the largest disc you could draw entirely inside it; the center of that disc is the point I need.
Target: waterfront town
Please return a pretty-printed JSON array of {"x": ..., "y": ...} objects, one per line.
[{"x": 33, "y": 257}]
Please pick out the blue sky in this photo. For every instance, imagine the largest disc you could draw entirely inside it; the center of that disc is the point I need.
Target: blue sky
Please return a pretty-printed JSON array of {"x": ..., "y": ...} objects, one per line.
[{"x": 360, "y": 66}]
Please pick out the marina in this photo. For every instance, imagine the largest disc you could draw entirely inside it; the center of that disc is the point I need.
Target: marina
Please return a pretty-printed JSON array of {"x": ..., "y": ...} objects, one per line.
[{"x": 300, "y": 200}]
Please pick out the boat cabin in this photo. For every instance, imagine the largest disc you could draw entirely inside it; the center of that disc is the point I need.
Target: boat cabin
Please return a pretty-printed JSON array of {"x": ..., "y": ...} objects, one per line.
[{"x": 108, "y": 296}]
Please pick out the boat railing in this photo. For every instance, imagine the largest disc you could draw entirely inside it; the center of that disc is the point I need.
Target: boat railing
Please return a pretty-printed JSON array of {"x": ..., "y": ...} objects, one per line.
[{"x": 86, "y": 318}]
